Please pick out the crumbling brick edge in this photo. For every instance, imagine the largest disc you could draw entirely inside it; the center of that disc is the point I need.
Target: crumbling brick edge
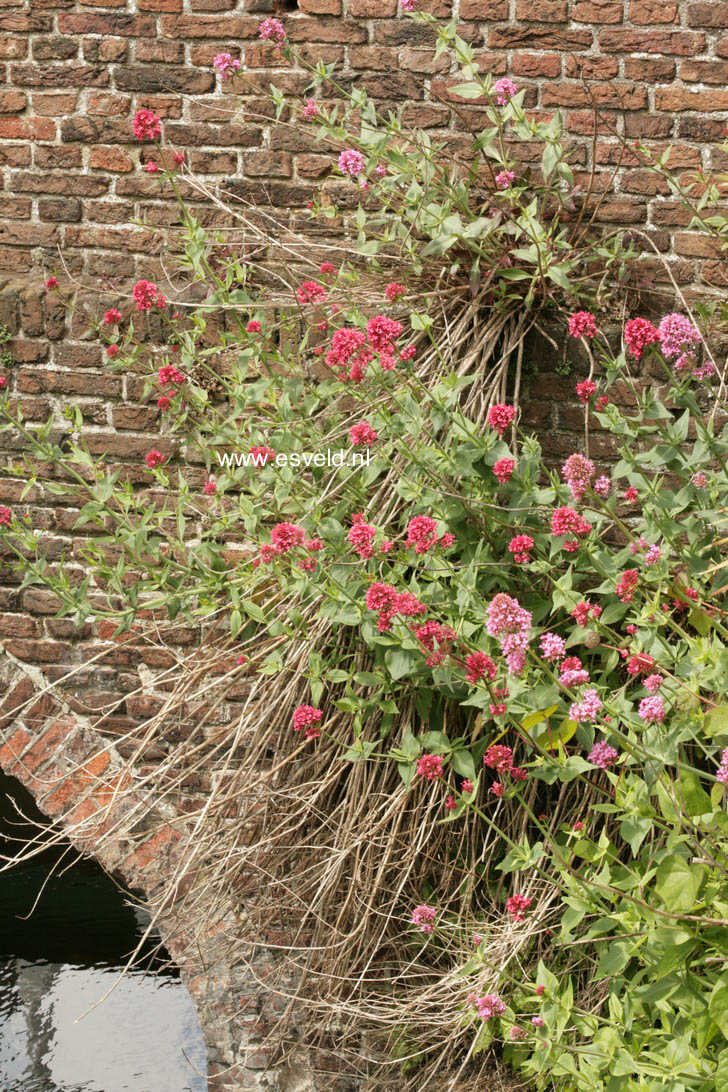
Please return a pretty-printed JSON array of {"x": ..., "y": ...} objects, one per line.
[{"x": 71, "y": 772}]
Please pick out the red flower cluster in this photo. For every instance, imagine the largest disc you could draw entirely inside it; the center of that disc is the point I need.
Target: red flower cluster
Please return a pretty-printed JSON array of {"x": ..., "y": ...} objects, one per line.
[
  {"x": 500, "y": 417},
  {"x": 520, "y": 546},
  {"x": 307, "y": 719},
  {"x": 583, "y": 324},
  {"x": 168, "y": 374},
  {"x": 146, "y": 125},
  {"x": 422, "y": 534},
  {"x": 585, "y": 390},
  {"x": 311, "y": 292},
  {"x": 479, "y": 666},
  {"x": 627, "y": 584},
  {"x": 638, "y": 334},
  {"x": 388, "y": 601},
  {"x": 147, "y": 295},
  {"x": 436, "y": 638}
]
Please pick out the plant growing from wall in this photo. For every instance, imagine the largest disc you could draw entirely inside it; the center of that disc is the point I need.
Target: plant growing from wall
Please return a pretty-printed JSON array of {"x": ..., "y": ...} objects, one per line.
[{"x": 479, "y": 777}]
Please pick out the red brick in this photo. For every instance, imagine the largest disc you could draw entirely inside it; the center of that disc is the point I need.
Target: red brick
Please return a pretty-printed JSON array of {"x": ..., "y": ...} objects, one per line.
[
  {"x": 12, "y": 102},
  {"x": 651, "y": 12},
  {"x": 154, "y": 848},
  {"x": 104, "y": 158},
  {"x": 487, "y": 10},
  {"x": 49, "y": 744},
  {"x": 13, "y": 748},
  {"x": 680, "y": 43},
  {"x": 542, "y": 11},
  {"x": 320, "y": 7},
  {"x": 650, "y": 69},
  {"x": 596, "y": 11},
  {"x": 678, "y": 98},
  {"x": 708, "y": 15},
  {"x": 592, "y": 68},
  {"x": 536, "y": 64},
  {"x": 622, "y": 96},
  {"x": 704, "y": 72}
]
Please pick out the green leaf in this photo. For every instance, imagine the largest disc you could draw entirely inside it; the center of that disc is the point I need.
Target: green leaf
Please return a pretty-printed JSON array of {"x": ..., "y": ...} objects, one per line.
[
  {"x": 718, "y": 1004},
  {"x": 694, "y": 797},
  {"x": 467, "y": 90},
  {"x": 463, "y": 763},
  {"x": 716, "y": 721},
  {"x": 700, "y": 621},
  {"x": 677, "y": 883},
  {"x": 400, "y": 661}
]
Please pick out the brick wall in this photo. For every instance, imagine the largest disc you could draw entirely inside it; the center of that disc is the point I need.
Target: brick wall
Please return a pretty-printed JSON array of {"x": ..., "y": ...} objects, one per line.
[{"x": 72, "y": 73}]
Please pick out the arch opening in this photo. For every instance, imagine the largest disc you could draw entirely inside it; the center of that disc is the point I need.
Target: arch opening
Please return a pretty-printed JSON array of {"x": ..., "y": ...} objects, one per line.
[{"x": 68, "y": 1023}]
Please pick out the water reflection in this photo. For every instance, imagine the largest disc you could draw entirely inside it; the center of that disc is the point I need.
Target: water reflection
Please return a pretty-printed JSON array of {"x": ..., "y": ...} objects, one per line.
[{"x": 58, "y": 962}]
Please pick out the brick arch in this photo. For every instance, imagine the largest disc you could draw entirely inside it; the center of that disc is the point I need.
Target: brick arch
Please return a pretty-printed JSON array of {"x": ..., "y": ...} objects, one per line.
[{"x": 73, "y": 774}]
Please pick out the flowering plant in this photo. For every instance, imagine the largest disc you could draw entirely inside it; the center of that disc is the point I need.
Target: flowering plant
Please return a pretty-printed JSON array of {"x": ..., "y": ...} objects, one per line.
[{"x": 493, "y": 688}]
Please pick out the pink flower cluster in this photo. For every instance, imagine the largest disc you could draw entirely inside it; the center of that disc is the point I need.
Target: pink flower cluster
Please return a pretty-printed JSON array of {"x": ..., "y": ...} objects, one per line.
[
  {"x": 147, "y": 295},
  {"x": 424, "y": 916},
  {"x": 307, "y": 719},
  {"x": 572, "y": 672},
  {"x": 430, "y": 767},
  {"x": 504, "y": 89},
  {"x": 351, "y": 162},
  {"x": 583, "y": 610},
  {"x": 503, "y": 469},
  {"x": 168, "y": 374},
  {"x": 511, "y": 624},
  {"x": 582, "y": 324},
  {"x": 652, "y": 709},
  {"x": 272, "y": 30},
  {"x": 517, "y": 905},
  {"x": 6, "y": 514},
  {"x": 553, "y": 647},
  {"x": 261, "y": 454},
  {"x": 154, "y": 458},
  {"x": 226, "y": 64},
  {"x": 678, "y": 339},
  {"x": 363, "y": 435},
  {"x": 577, "y": 472},
  {"x": 504, "y": 178},
  {"x": 587, "y": 709},
  {"x": 500, "y": 417},
  {"x": 603, "y": 755},
  {"x": 722, "y": 774},
  {"x": 489, "y": 1006},
  {"x": 361, "y": 536},
  {"x": 284, "y": 538},
  {"x": 565, "y": 521},
  {"x": 394, "y": 290},
  {"x": 112, "y": 316}
]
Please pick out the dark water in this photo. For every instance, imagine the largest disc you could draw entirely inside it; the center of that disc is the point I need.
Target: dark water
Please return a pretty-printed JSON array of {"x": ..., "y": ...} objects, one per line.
[{"x": 60, "y": 962}]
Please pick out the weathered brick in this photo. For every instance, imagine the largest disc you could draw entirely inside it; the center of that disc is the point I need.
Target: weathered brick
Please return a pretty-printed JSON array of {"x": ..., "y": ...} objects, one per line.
[
  {"x": 680, "y": 43},
  {"x": 653, "y": 12},
  {"x": 542, "y": 11},
  {"x": 596, "y": 11},
  {"x": 678, "y": 98},
  {"x": 713, "y": 14}
]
